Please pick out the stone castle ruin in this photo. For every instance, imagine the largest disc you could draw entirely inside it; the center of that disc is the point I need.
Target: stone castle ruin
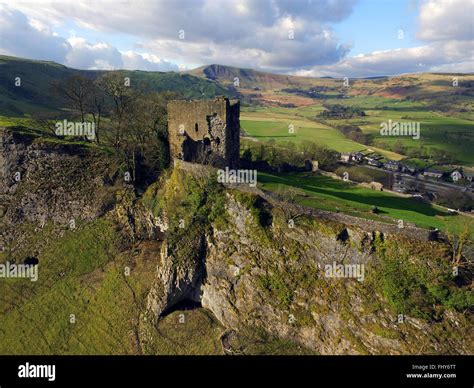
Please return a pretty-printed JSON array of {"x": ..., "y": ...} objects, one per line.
[{"x": 205, "y": 131}]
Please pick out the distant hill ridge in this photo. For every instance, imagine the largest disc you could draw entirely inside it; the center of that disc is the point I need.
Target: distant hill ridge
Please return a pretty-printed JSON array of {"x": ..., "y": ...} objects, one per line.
[
  {"x": 249, "y": 77},
  {"x": 34, "y": 94}
]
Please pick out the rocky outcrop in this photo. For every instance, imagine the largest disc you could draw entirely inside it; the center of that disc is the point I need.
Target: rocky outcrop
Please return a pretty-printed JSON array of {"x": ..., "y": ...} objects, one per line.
[
  {"x": 251, "y": 260},
  {"x": 42, "y": 180},
  {"x": 273, "y": 278},
  {"x": 176, "y": 283}
]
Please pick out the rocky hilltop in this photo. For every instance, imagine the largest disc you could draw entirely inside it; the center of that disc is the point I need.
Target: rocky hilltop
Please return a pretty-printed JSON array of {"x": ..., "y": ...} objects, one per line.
[
  {"x": 134, "y": 261},
  {"x": 251, "y": 268}
]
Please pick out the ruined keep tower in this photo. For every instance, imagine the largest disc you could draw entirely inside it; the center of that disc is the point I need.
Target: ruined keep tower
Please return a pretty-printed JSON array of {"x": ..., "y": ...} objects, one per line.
[{"x": 205, "y": 131}]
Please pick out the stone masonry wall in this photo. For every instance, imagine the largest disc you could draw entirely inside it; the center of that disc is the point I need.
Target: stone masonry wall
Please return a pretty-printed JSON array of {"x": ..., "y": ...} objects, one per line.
[{"x": 205, "y": 131}]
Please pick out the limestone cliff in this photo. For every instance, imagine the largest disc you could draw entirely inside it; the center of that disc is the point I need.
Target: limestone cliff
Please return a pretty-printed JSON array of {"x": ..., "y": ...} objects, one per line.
[
  {"x": 43, "y": 180},
  {"x": 253, "y": 264},
  {"x": 258, "y": 270}
]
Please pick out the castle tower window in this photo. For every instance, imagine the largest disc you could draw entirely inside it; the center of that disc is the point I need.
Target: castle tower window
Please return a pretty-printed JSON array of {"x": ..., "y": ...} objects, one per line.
[
  {"x": 196, "y": 127},
  {"x": 218, "y": 141}
]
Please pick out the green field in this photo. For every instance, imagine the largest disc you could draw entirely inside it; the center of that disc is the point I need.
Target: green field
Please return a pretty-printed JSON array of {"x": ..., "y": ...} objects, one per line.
[
  {"x": 273, "y": 123},
  {"x": 361, "y": 173},
  {"x": 378, "y": 102},
  {"x": 454, "y": 135},
  {"x": 325, "y": 193},
  {"x": 12, "y": 121},
  {"x": 303, "y": 131}
]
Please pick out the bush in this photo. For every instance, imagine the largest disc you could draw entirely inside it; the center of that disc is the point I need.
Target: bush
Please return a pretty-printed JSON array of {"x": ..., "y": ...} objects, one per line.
[
  {"x": 460, "y": 300},
  {"x": 354, "y": 133},
  {"x": 412, "y": 287},
  {"x": 375, "y": 210},
  {"x": 456, "y": 199},
  {"x": 277, "y": 286},
  {"x": 338, "y": 111},
  {"x": 289, "y": 153}
]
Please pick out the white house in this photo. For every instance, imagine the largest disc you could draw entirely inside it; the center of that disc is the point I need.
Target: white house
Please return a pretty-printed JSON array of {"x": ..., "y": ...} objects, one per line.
[
  {"x": 456, "y": 175},
  {"x": 345, "y": 157}
]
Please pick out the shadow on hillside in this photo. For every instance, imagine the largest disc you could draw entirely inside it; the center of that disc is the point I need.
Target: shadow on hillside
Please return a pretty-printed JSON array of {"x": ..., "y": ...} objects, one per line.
[{"x": 366, "y": 199}]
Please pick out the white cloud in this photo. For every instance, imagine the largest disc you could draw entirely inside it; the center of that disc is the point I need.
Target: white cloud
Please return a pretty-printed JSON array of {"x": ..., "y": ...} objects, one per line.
[
  {"x": 433, "y": 57},
  {"x": 446, "y": 26},
  {"x": 148, "y": 62},
  {"x": 213, "y": 28},
  {"x": 18, "y": 36},
  {"x": 459, "y": 67},
  {"x": 446, "y": 20},
  {"x": 84, "y": 55},
  {"x": 244, "y": 33}
]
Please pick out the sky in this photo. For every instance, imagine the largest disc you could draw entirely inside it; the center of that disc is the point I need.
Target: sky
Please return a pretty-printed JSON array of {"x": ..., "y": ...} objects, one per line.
[{"x": 338, "y": 38}]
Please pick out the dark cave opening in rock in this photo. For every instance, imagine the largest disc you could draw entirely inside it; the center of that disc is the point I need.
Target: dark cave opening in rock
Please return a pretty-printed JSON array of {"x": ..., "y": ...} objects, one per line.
[
  {"x": 343, "y": 236},
  {"x": 31, "y": 260},
  {"x": 183, "y": 305}
]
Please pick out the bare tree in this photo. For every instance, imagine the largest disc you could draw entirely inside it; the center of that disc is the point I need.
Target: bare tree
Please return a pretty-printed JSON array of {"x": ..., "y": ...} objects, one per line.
[
  {"x": 289, "y": 196},
  {"x": 117, "y": 88},
  {"x": 45, "y": 121},
  {"x": 144, "y": 141},
  {"x": 76, "y": 89},
  {"x": 96, "y": 105}
]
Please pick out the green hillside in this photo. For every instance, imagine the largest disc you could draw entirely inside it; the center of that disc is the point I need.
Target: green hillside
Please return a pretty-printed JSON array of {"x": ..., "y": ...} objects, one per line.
[
  {"x": 325, "y": 193},
  {"x": 35, "y": 92},
  {"x": 250, "y": 78}
]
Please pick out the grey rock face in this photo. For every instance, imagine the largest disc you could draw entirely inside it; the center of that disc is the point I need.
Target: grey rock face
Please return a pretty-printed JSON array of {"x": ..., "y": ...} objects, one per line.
[
  {"x": 44, "y": 181},
  {"x": 330, "y": 316}
]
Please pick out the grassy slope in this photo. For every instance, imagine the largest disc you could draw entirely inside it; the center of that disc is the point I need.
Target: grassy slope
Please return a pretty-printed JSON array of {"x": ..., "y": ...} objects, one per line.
[
  {"x": 250, "y": 78},
  {"x": 35, "y": 93},
  {"x": 273, "y": 123},
  {"x": 451, "y": 134},
  {"x": 437, "y": 130},
  {"x": 329, "y": 194},
  {"x": 262, "y": 126},
  {"x": 188, "y": 86},
  {"x": 83, "y": 273},
  {"x": 445, "y": 133}
]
